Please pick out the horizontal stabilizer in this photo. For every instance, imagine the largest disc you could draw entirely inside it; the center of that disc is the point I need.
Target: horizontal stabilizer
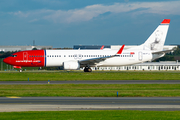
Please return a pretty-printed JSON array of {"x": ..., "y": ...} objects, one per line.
[{"x": 164, "y": 51}]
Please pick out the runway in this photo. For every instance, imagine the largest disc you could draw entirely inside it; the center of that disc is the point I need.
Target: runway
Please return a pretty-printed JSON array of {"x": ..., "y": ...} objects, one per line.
[
  {"x": 88, "y": 103},
  {"x": 92, "y": 82}
]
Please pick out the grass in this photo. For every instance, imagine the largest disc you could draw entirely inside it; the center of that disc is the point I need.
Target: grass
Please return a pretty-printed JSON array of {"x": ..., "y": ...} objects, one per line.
[
  {"x": 93, "y": 90},
  {"x": 92, "y": 115},
  {"x": 95, "y": 75}
]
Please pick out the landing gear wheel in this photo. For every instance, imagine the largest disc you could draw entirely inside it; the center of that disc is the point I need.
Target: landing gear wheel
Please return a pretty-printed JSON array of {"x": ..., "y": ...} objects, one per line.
[
  {"x": 20, "y": 70},
  {"x": 87, "y": 69}
]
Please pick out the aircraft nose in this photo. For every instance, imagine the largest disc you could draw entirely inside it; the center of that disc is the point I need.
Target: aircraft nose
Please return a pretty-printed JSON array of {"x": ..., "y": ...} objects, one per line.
[{"x": 5, "y": 60}]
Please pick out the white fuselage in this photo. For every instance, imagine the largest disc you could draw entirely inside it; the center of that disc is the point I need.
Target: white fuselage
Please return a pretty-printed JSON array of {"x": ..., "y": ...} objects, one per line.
[{"x": 58, "y": 57}]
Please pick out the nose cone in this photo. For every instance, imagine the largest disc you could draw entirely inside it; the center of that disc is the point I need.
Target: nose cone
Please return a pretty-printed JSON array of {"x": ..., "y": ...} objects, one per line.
[{"x": 6, "y": 60}]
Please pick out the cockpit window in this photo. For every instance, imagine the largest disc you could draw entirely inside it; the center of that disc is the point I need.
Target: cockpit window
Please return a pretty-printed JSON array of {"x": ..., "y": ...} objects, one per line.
[{"x": 13, "y": 55}]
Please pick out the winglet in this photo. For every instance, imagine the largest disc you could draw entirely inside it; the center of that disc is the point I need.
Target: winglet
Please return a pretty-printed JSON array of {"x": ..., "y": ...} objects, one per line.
[
  {"x": 121, "y": 49},
  {"x": 102, "y": 47}
]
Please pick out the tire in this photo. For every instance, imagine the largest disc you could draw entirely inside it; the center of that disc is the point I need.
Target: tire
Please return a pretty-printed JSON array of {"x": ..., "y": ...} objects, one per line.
[{"x": 89, "y": 70}]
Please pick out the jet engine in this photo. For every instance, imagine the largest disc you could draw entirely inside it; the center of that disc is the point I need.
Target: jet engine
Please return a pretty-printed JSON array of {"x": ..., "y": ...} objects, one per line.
[{"x": 71, "y": 65}]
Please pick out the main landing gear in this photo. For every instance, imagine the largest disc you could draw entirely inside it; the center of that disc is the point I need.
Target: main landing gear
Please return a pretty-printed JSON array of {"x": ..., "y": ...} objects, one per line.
[
  {"x": 20, "y": 70},
  {"x": 87, "y": 69}
]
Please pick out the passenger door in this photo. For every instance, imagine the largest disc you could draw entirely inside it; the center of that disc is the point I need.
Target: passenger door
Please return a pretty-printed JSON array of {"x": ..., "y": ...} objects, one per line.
[
  {"x": 25, "y": 56},
  {"x": 140, "y": 56}
]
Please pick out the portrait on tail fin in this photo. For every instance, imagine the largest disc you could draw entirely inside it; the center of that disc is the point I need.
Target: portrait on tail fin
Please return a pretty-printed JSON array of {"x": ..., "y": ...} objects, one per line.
[{"x": 157, "y": 42}]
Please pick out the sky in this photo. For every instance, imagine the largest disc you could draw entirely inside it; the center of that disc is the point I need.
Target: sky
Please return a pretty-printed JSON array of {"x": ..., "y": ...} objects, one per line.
[{"x": 64, "y": 23}]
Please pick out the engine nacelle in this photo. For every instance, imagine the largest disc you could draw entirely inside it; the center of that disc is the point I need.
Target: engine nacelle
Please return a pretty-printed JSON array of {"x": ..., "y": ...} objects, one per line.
[{"x": 71, "y": 65}]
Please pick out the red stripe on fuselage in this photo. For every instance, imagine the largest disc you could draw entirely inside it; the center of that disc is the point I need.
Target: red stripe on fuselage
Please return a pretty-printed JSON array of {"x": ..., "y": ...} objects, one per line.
[{"x": 29, "y": 58}]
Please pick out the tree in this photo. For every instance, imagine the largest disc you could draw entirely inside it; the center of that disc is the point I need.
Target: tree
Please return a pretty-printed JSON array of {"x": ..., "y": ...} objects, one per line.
[
  {"x": 34, "y": 48},
  {"x": 6, "y": 54}
]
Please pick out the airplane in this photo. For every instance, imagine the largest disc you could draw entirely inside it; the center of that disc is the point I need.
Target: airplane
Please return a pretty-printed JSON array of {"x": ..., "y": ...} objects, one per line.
[{"x": 151, "y": 49}]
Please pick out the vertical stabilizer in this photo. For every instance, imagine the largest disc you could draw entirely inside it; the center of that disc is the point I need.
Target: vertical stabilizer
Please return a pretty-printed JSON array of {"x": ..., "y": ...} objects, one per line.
[{"x": 157, "y": 39}]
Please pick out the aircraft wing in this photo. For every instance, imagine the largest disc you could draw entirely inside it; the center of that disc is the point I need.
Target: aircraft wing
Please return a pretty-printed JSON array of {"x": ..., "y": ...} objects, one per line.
[{"x": 94, "y": 61}]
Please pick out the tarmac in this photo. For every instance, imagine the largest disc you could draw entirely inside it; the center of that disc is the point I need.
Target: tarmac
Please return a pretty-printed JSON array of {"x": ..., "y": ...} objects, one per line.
[
  {"x": 11, "y": 104},
  {"x": 88, "y": 103}
]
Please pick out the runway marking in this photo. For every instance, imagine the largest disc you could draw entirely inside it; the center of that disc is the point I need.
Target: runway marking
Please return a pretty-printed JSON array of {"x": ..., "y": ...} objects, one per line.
[{"x": 13, "y": 97}]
